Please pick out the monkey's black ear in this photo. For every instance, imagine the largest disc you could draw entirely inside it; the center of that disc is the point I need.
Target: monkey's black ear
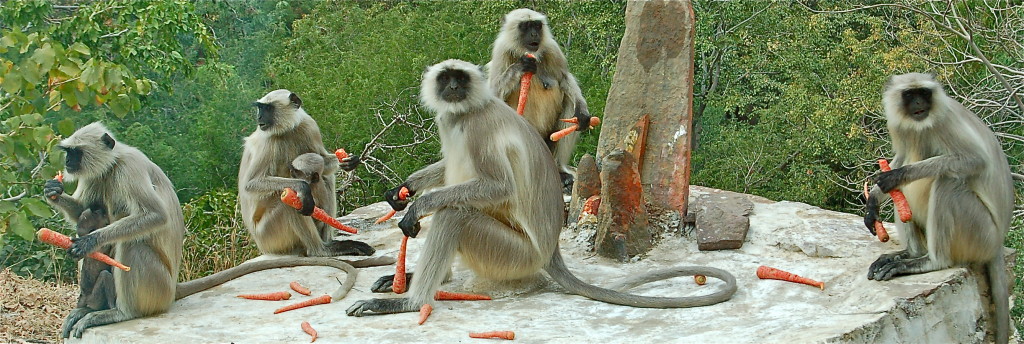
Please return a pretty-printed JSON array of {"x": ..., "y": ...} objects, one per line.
[
  {"x": 107, "y": 141},
  {"x": 294, "y": 98},
  {"x": 315, "y": 178}
]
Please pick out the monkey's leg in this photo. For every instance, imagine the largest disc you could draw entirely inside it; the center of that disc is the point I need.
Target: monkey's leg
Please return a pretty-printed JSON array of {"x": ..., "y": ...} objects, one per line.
[
  {"x": 73, "y": 318},
  {"x": 915, "y": 249},
  {"x": 99, "y": 318},
  {"x": 349, "y": 248},
  {"x": 103, "y": 293}
]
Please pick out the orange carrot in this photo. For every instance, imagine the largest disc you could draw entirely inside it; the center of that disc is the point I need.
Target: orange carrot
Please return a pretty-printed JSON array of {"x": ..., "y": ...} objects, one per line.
[
  {"x": 291, "y": 198},
  {"x": 60, "y": 178},
  {"x": 700, "y": 279},
  {"x": 558, "y": 135},
  {"x": 306, "y": 327},
  {"x": 442, "y": 295},
  {"x": 590, "y": 206},
  {"x": 764, "y": 272},
  {"x": 509, "y": 335},
  {"x": 341, "y": 154},
  {"x": 275, "y": 296},
  {"x": 403, "y": 193},
  {"x": 883, "y": 235},
  {"x": 899, "y": 200},
  {"x": 425, "y": 312},
  {"x": 63, "y": 241},
  {"x": 398, "y": 284},
  {"x": 524, "y": 89},
  {"x": 319, "y": 300},
  {"x": 298, "y": 288}
]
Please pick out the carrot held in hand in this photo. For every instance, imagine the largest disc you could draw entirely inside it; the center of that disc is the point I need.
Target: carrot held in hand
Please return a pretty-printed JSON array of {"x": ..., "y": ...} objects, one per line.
[
  {"x": 403, "y": 193},
  {"x": 63, "y": 241},
  {"x": 764, "y": 272},
  {"x": 60, "y": 178},
  {"x": 899, "y": 200},
  {"x": 442, "y": 295},
  {"x": 291, "y": 198},
  {"x": 558, "y": 135},
  {"x": 524, "y": 89},
  {"x": 298, "y": 288},
  {"x": 306, "y": 327},
  {"x": 319, "y": 300},
  {"x": 425, "y": 312},
  {"x": 883, "y": 235},
  {"x": 398, "y": 284},
  {"x": 275, "y": 296},
  {"x": 509, "y": 335},
  {"x": 341, "y": 154}
]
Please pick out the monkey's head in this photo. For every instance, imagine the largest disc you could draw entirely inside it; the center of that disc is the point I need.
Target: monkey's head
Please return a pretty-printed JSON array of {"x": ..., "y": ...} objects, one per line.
[
  {"x": 278, "y": 111},
  {"x": 454, "y": 86},
  {"x": 528, "y": 27},
  {"x": 308, "y": 167},
  {"x": 912, "y": 96},
  {"x": 89, "y": 151}
]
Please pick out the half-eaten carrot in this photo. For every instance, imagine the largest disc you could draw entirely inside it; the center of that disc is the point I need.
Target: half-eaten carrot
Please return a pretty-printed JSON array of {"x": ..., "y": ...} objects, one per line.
[
  {"x": 425, "y": 312},
  {"x": 319, "y": 300},
  {"x": 398, "y": 284},
  {"x": 558, "y": 135},
  {"x": 764, "y": 272},
  {"x": 306, "y": 327},
  {"x": 341, "y": 154},
  {"x": 403, "y": 193},
  {"x": 524, "y": 89},
  {"x": 275, "y": 296},
  {"x": 883, "y": 235},
  {"x": 899, "y": 200},
  {"x": 509, "y": 335},
  {"x": 298, "y": 288},
  {"x": 700, "y": 279},
  {"x": 291, "y": 198},
  {"x": 60, "y": 178},
  {"x": 442, "y": 295},
  {"x": 63, "y": 241}
]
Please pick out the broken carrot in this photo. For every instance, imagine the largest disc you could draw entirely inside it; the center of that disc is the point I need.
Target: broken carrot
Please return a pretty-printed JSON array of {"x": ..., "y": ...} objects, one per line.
[
  {"x": 298, "y": 288},
  {"x": 509, "y": 335},
  {"x": 63, "y": 241},
  {"x": 442, "y": 295},
  {"x": 291, "y": 198},
  {"x": 883, "y": 235},
  {"x": 403, "y": 193},
  {"x": 899, "y": 200},
  {"x": 425, "y": 312},
  {"x": 341, "y": 154},
  {"x": 306, "y": 327},
  {"x": 764, "y": 272},
  {"x": 60, "y": 178},
  {"x": 558, "y": 135},
  {"x": 398, "y": 284},
  {"x": 275, "y": 296},
  {"x": 319, "y": 300},
  {"x": 700, "y": 279},
  {"x": 524, "y": 89}
]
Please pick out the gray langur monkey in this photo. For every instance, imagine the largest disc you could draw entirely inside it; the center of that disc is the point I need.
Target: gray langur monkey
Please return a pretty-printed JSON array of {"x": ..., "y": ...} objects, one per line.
[
  {"x": 96, "y": 281},
  {"x": 285, "y": 132},
  {"x": 144, "y": 228},
  {"x": 957, "y": 180},
  {"x": 496, "y": 202},
  {"x": 308, "y": 167},
  {"x": 554, "y": 93}
]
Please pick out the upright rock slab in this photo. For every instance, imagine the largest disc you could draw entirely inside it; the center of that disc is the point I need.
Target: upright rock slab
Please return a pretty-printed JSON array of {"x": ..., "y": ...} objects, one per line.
[{"x": 622, "y": 227}]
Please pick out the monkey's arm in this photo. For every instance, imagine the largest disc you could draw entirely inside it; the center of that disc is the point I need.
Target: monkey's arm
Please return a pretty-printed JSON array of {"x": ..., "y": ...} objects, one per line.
[
  {"x": 146, "y": 217},
  {"x": 957, "y": 165},
  {"x": 574, "y": 105},
  {"x": 493, "y": 185},
  {"x": 504, "y": 80},
  {"x": 69, "y": 206},
  {"x": 427, "y": 178}
]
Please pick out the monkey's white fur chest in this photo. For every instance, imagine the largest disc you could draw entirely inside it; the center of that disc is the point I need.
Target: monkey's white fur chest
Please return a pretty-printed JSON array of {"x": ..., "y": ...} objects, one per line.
[
  {"x": 459, "y": 165},
  {"x": 543, "y": 105}
]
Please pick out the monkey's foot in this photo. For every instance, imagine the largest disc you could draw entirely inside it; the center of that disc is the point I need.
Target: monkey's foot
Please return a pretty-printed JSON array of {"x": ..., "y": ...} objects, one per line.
[
  {"x": 384, "y": 283},
  {"x": 350, "y": 248},
  {"x": 69, "y": 322},
  {"x": 381, "y": 306},
  {"x": 894, "y": 264}
]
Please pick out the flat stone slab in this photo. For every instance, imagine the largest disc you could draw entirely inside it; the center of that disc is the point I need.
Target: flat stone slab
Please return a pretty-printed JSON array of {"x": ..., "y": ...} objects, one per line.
[
  {"x": 937, "y": 307},
  {"x": 722, "y": 219}
]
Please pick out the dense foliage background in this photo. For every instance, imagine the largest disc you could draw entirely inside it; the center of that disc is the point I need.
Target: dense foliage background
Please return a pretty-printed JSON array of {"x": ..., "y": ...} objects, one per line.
[{"x": 787, "y": 104}]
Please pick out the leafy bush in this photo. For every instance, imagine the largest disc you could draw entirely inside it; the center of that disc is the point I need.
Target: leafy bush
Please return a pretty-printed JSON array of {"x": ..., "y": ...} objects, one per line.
[{"x": 216, "y": 239}]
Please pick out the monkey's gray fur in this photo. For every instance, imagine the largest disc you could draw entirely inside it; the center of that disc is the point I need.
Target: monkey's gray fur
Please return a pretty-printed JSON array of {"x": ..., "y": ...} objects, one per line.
[
  {"x": 957, "y": 180},
  {"x": 496, "y": 202}
]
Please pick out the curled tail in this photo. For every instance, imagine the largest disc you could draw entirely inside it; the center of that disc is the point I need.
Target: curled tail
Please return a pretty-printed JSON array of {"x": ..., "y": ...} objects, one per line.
[
  {"x": 558, "y": 272},
  {"x": 1000, "y": 298}
]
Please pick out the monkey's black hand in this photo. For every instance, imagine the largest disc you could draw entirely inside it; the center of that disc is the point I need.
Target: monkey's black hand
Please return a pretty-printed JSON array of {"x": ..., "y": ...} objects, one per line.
[
  {"x": 397, "y": 203},
  {"x": 52, "y": 189},
  {"x": 529, "y": 64},
  {"x": 871, "y": 214},
  {"x": 384, "y": 283},
  {"x": 887, "y": 181},
  {"x": 410, "y": 224},
  {"x": 582, "y": 120},
  {"x": 82, "y": 246},
  {"x": 306, "y": 194},
  {"x": 350, "y": 163}
]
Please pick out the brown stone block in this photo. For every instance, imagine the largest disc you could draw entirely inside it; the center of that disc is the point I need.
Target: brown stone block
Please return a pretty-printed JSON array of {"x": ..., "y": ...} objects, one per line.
[
  {"x": 623, "y": 230},
  {"x": 722, "y": 220}
]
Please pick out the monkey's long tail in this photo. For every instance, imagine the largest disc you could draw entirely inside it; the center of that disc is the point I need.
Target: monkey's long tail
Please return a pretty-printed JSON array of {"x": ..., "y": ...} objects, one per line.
[
  {"x": 996, "y": 271},
  {"x": 197, "y": 285},
  {"x": 558, "y": 271}
]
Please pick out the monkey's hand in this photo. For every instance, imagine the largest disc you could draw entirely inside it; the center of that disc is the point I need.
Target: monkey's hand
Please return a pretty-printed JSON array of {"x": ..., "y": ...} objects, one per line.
[
  {"x": 871, "y": 214},
  {"x": 410, "y": 224},
  {"x": 583, "y": 120},
  {"x": 890, "y": 180},
  {"x": 397, "y": 203},
  {"x": 82, "y": 246},
  {"x": 350, "y": 163},
  {"x": 529, "y": 64},
  {"x": 384, "y": 283},
  {"x": 306, "y": 194},
  {"x": 52, "y": 189}
]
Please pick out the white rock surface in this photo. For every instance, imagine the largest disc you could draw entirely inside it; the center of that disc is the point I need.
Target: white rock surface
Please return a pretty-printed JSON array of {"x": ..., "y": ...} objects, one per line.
[{"x": 937, "y": 307}]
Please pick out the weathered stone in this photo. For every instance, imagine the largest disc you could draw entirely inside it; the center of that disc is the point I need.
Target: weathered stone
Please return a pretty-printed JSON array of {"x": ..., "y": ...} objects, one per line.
[
  {"x": 722, "y": 220},
  {"x": 654, "y": 76},
  {"x": 622, "y": 230},
  {"x": 588, "y": 183}
]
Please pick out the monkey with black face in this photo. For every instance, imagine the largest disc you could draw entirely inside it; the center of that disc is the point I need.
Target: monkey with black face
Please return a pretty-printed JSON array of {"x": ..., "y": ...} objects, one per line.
[
  {"x": 285, "y": 132},
  {"x": 957, "y": 181},
  {"x": 496, "y": 202},
  {"x": 96, "y": 282},
  {"x": 556, "y": 93}
]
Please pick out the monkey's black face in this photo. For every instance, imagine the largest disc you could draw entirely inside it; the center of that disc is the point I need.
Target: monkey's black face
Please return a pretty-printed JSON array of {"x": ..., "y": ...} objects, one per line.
[
  {"x": 530, "y": 34},
  {"x": 73, "y": 159},
  {"x": 264, "y": 115},
  {"x": 917, "y": 103},
  {"x": 453, "y": 85}
]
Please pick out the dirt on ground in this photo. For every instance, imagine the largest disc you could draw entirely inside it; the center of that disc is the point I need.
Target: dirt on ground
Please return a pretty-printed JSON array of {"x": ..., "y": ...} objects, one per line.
[{"x": 32, "y": 311}]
